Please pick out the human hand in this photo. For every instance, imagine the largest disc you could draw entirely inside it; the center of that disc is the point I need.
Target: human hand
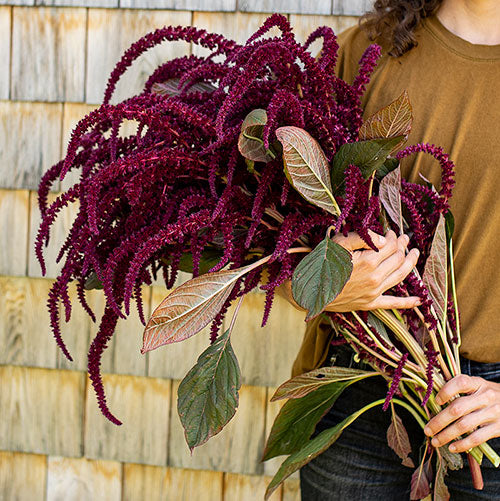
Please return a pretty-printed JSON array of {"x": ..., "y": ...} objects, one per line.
[
  {"x": 373, "y": 274},
  {"x": 476, "y": 414}
]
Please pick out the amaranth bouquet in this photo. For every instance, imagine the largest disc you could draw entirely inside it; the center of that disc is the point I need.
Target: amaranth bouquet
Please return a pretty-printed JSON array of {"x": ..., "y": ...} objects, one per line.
[{"x": 205, "y": 186}]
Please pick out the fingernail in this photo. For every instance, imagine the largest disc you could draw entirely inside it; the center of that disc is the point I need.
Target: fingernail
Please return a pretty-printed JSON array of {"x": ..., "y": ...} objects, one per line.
[
  {"x": 381, "y": 240},
  {"x": 416, "y": 252},
  {"x": 427, "y": 431},
  {"x": 452, "y": 447},
  {"x": 438, "y": 400},
  {"x": 407, "y": 239},
  {"x": 435, "y": 442}
]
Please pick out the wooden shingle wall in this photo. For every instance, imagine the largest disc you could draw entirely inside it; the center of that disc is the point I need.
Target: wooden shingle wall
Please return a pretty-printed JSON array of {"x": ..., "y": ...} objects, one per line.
[{"x": 55, "y": 56}]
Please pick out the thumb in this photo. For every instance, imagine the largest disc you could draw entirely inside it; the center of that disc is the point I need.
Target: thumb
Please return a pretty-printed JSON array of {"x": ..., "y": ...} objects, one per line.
[{"x": 354, "y": 242}]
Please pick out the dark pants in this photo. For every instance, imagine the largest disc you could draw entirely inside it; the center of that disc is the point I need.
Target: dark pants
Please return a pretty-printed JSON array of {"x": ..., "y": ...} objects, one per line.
[{"x": 360, "y": 465}]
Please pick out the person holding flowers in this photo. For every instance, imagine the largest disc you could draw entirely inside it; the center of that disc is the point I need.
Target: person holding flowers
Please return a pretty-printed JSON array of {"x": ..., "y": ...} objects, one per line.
[{"x": 446, "y": 54}]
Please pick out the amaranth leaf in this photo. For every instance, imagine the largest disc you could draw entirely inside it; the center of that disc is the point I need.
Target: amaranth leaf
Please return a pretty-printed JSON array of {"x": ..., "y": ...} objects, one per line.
[
  {"x": 312, "y": 449},
  {"x": 390, "y": 196},
  {"x": 302, "y": 385},
  {"x": 397, "y": 438},
  {"x": 320, "y": 277},
  {"x": 190, "y": 307},
  {"x": 391, "y": 121},
  {"x": 435, "y": 271},
  {"x": 250, "y": 143},
  {"x": 367, "y": 155},
  {"x": 307, "y": 168},
  {"x": 297, "y": 419},
  {"x": 207, "y": 397}
]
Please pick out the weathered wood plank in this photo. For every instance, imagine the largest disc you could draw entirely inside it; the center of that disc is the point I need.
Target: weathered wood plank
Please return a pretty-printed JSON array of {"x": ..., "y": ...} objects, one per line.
[
  {"x": 58, "y": 233},
  {"x": 217, "y": 5},
  {"x": 285, "y": 6},
  {"x": 22, "y": 476},
  {"x": 236, "y": 449},
  {"x": 30, "y": 142},
  {"x": 18, "y": 2},
  {"x": 14, "y": 215},
  {"x": 351, "y": 7},
  {"x": 25, "y": 334},
  {"x": 123, "y": 355},
  {"x": 42, "y": 410},
  {"x": 303, "y": 26},
  {"x": 236, "y": 26},
  {"x": 117, "y": 30},
  {"x": 142, "y": 404},
  {"x": 53, "y": 41},
  {"x": 5, "y": 16},
  {"x": 72, "y": 114},
  {"x": 266, "y": 354},
  {"x": 291, "y": 490},
  {"x": 247, "y": 488},
  {"x": 155, "y": 483},
  {"x": 79, "y": 3},
  {"x": 174, "y": 360},
  {"x": 83, "y": 480}
]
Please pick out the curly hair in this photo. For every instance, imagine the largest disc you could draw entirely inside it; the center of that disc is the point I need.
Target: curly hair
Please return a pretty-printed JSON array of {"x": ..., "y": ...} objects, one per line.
[{"x": 394, "y": 22}]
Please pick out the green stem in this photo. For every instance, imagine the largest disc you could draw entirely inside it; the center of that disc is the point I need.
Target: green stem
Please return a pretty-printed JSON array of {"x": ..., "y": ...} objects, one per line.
[
  {"x": 410, "y": 399},
  {"x": 454, "y": 292},
  {"x": 489, "y": 453},
  {"x": 411, "y": 410}
]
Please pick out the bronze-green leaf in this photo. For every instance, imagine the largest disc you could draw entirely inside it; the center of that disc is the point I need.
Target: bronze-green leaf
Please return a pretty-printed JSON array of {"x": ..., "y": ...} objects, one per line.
[
  {"x": 171, "y": 87},
  {"x": 302, "y": 385},
  {"x": 367, "y": 155},
  {"x": 398, "y": 440},
  {"x": 310, "y": 450},
  {"x": 435, "y": 271},
  {"x": 208, "y": 396},
  {"x": 392, "y": 121},
  {"x": 190, "y": 307},
  {"x": 320, "y": 277},
  {"x": 390, "y": 196},
  {"x": 297, "y": 419},
  {"x": 250, "y": 143},
  {"x": 307, "y": 168}
]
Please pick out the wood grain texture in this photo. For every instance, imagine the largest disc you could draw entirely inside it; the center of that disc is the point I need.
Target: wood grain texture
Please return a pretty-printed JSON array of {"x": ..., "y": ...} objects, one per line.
[
  {"x": 123, "y": 355},
  {"x": 22, "y": 476},
  {"x": 5, "y": 16},
  {"x": 286, "y": 6},
  {"x": 217, "y": 5},
  {"x": 42, "y": 410},
  {"x": 79, "y": 3},
  {"x": 30, "y": 142},
  {"x": 236, "y": 26},
  {"x": 351, "y": 7},
  {"x": 291, "y": 490},
  {"x": 153, "y": 483},
  {"x": 247, "y": 488},
  {"x": 53, "y": 41},
  {"x": 72, "y": 114},
  {"x": 117, "y": 30},
  {"x": 174, "y": 360},
  {"x": 236, "y": 449},
  {"x": 303, "y": 26},
  {"x": 266, "y": 354},
  {"x": 142, "y": 404},
  {"x": 25, "y": 334},
  {"x": 18, "y": 2},
  {"x": 83, "y": 480},
  {"x": 58, "y": 233},
  {"x": 14, "y": 214}
]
